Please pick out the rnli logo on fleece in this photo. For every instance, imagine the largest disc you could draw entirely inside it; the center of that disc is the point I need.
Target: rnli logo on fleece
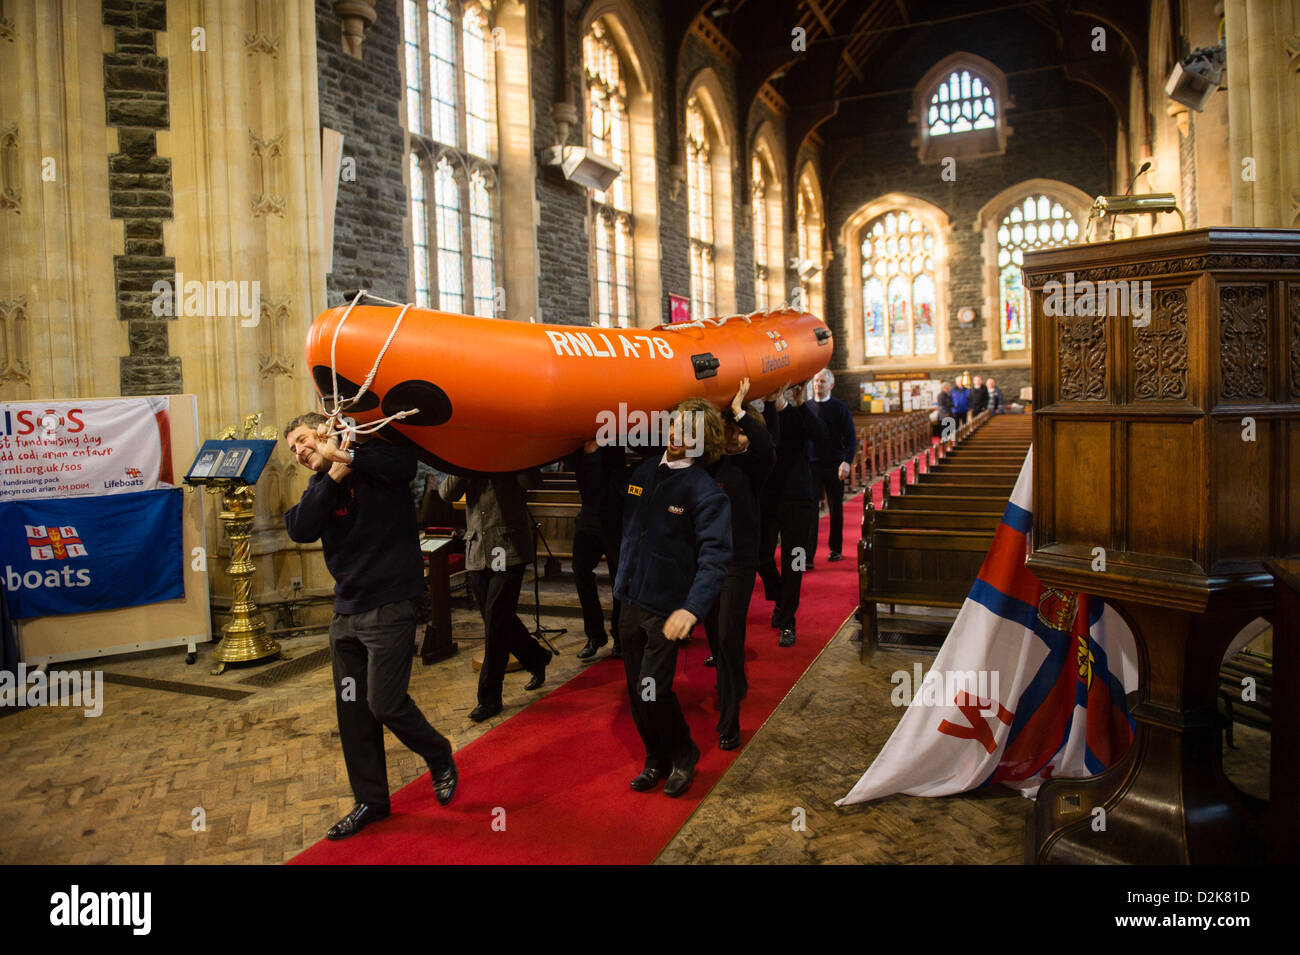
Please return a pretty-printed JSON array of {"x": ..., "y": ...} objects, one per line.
[
  {"x": 635, "y": 490},
  {"x": 674, "y": 509}
]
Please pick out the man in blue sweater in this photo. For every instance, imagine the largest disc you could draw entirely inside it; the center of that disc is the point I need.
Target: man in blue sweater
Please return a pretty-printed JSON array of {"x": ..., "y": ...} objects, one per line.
[
  {"x": 358, "y": 505},
  {"x": 673, "y": 560}
]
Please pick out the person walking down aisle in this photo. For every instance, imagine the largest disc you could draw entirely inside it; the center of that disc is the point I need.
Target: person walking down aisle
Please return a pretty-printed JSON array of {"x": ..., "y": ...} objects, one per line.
[
  {"x": 787, "y": 506},
  {"x": 740, "y": 472},
  {"x": 676, "y": 548},
  {"x": 830, "y": 463},
  {"x": 358, "y": 505},
  {"x": 498, "y": 546}
]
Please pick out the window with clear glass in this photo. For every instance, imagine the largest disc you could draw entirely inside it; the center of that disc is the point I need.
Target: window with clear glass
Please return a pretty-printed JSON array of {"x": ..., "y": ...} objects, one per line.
[
  {"x": 609, "y": 134},
  {"x": 898, "y": 287},
  {"x": 1035, "y": 223},
  {"x": 758, "y": 192},
  {"x": 963, "y": 102},
  {"x": 809, "y": 245},
  {"x": 699, "y": 186},
  {"x": 451, "y": 125}
]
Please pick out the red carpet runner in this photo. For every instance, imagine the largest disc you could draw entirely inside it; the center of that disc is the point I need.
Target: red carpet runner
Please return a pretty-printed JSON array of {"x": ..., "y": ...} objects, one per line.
[{"x": 550, "y": 785}]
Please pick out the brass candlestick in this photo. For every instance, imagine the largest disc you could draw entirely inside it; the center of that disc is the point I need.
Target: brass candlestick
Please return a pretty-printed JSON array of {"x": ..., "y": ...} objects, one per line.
[{"x": 244, "y": 637}]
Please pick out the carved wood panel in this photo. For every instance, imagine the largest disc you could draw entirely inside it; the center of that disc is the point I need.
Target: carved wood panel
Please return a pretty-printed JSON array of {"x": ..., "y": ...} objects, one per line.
[
  {"x": 1081, "y": 351},
  {"x": 1293, "y": 314},
  {"x": 1243, "y": 341},
  {"x": 1160, "y": 349}
]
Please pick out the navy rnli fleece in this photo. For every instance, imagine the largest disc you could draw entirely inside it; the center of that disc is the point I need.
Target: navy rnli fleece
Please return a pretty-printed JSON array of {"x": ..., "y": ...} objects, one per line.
[
  {"x": 676, "y": 540},
  {"x": 367, "y": 529}
]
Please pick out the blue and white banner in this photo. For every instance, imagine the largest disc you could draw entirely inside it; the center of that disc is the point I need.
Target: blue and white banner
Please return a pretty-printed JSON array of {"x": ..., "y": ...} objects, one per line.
[{"x": 81, "y": 554}]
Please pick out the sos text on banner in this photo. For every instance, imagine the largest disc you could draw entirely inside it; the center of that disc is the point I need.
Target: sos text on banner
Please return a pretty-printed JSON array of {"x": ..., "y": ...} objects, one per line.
[
  {"x": 81, "y": 554},
  {"x": 60, "y": 449}
]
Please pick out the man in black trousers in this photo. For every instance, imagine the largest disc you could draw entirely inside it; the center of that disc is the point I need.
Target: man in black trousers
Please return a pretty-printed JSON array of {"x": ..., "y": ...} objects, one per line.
[
  {"x": 498, "y": 546},
  {"x": 358, "y": 504},
  {"x": 741, "y": 473},
  {"x": 830, "y": 463},
  {"x": 601, "y": 474},
  {"x": 788, "y": 506},
  {"x": 676, "y": 547}
]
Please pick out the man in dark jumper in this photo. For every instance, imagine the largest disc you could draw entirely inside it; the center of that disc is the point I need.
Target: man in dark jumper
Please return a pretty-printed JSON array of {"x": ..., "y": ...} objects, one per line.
[{"x": 358, "y": 505}]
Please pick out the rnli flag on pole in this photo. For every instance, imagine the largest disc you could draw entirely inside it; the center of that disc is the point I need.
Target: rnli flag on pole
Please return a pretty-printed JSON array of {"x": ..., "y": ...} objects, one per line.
[
  {"x": 1029, "y": 684},
  {"x": 77, "y": 554}
]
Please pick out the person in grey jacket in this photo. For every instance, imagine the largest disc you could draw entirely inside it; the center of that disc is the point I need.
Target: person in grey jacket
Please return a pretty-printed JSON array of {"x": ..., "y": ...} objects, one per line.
[{"x": 498, "y": 546}]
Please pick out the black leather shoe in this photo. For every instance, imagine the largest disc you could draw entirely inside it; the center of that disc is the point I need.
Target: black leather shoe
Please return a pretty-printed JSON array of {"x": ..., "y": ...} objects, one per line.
[
  {"x": 729, "y": 742},
  {"x": 589, "y": 651},
  {"x": 539, "y": 675},
  {"x": 679, "y": 780},
  {"x": 444, "y": 783},
  {"x": 646, "y": 779},
  {"x": 787, "y": 637},
  {"x": 835, "y": 555},
  {"x": 485, "y": 711},
  {"x": 360, "y": 817},
  {"x": 710, "y": 661}
]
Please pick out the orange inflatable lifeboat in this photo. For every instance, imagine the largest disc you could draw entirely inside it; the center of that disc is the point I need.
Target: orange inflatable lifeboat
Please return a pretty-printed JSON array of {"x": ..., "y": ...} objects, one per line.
[{"x": 497, "y": 396}]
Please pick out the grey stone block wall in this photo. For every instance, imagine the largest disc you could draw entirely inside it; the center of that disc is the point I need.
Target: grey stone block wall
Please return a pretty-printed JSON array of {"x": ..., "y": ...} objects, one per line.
[
  {"x": 363, "y": 99},
  {"x": 140, "y": 190}
]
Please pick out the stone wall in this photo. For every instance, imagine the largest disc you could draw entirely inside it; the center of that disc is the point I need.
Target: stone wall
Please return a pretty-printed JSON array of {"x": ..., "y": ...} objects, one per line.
[
  {"x": 140, "y": 190},
  {"x": 362, "y": 99}
]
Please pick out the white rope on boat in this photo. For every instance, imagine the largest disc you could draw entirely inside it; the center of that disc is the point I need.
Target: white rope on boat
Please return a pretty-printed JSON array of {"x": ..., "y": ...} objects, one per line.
[{"x": 333, "y": 414}]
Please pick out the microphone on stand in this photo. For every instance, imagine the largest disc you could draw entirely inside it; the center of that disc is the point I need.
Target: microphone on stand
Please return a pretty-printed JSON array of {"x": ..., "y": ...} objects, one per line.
[{"x": 1129, "y": 191}]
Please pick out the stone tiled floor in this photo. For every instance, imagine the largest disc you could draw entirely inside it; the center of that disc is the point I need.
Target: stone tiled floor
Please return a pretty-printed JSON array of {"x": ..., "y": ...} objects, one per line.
[{"x": 267, "y": 774}]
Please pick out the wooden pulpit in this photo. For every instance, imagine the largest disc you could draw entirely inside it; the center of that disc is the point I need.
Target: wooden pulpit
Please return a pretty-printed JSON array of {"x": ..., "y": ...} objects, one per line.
[{"x": 1166, "y": 472}]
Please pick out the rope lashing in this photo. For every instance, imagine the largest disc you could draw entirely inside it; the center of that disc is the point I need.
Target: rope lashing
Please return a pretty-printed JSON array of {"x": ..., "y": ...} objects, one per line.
[{"x": 333, "y": 414}]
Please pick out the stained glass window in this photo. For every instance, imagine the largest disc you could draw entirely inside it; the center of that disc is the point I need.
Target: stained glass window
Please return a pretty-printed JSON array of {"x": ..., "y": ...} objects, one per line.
[
  {"x": 442, "y": 72},
  {"x": 451, "y": 284},
  {"x": 699, "y": 186},
  {"x": 898, "y": 287},
  {"x": 963, "y": 102},
  {"x": 451, "y": 100},
  {"x": 610, "y": 137},
  {"x": 1036, "y": 222},
  {"x": 419, "y": 235},
  {"x": 414, "y": 94},
  {"x": 758, "y": 190},
  {"x": 479, "y": 102}
]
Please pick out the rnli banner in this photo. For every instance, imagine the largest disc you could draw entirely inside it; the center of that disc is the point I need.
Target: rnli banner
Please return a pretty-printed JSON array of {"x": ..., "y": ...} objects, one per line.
[
  {"x": 71, "y": 556},
  {"x": 1030, "y": 684},
  {"x": 87, "y": 448}
]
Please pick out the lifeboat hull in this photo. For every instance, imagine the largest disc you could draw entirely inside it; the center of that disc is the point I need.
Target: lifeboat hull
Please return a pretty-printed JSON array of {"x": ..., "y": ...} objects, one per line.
[{"x": 497, "y": 396}]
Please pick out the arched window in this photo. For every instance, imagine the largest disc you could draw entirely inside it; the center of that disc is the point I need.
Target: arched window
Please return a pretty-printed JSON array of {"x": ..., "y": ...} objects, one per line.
[
  {"x": 758, "y": 201},
  {"x": 808, "y": 240},
  {"x": 766, "y": 196},
  {"x": 1036, "y": 223},
  {"x": 898, "y": 287},
  {"x": 961, "y": 103},
  {"x": 1031, "y": 215},
  {"x": 451, "y": 123},
  {"x": 699, "y": 186},
  {"x": 610, "y": 136},
  {"x": 959, "y": 108}
]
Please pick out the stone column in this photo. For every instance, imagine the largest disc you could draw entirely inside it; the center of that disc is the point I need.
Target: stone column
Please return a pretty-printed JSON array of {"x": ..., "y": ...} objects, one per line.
[
  {"x": 59, "y": 334},
  {"x": 1263, "y": 48}
]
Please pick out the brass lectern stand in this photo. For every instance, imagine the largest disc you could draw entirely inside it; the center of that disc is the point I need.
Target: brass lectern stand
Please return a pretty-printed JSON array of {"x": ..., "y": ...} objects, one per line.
[{"x": 1168, "y": 444}]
